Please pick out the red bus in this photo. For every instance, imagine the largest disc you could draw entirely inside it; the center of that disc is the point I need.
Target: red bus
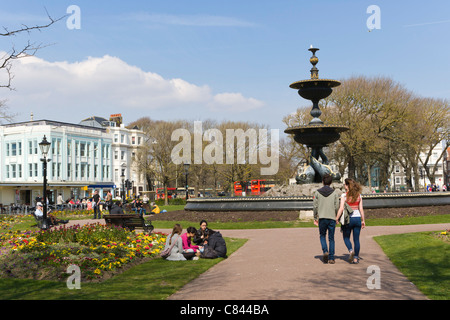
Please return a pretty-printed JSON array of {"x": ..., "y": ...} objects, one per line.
[
  {"x": 238, "y": 188},
  {"x": 160, "y": 193},
  {"x": 258, "y": 187}
]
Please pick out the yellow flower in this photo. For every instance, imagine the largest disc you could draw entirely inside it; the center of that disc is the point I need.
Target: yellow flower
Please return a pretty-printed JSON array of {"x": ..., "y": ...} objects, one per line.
[{"x": 97, "y": 271}]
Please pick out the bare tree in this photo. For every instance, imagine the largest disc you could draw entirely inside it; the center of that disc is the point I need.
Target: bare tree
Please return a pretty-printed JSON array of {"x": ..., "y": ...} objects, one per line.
[{"x": 6, "y": 61}]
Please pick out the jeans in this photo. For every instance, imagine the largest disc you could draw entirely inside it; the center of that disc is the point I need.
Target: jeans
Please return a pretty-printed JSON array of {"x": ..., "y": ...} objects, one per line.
[
  {"x": 97, "y": 212},
  {"x": 324, "y": 226},
  {"x": 355, "y": 226}
]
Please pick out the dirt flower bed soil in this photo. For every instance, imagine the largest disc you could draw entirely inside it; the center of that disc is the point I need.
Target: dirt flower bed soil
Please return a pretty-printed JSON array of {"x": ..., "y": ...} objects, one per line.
[{"x": 242, "y": 216}]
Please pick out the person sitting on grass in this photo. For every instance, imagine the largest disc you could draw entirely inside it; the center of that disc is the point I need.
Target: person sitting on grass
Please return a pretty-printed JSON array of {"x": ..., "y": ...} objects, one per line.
[
  {"x": 177, "y": 249},
  {"x": 201, "y": 233},
  {"x": 189, "y": 250},
  {"x": 215, "y": 246},
  {"x": 39, "y": 213},
  {"x": 155, "y": 209}
]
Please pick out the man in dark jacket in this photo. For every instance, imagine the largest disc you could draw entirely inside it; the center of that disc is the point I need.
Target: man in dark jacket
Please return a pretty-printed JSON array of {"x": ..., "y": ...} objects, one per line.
[
  {"x": 215, "y": 246},
  {"x": 325, "y": 206},
  {"x": 116, "y": 208}
]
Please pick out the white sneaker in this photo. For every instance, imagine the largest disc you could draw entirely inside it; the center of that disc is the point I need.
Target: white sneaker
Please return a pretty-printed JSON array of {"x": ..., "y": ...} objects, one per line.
[{"x": 195, "y": 258}]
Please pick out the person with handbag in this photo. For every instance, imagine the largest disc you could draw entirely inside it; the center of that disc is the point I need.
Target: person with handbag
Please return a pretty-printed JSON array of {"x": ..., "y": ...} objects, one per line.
[
  {"x": 352, "y": 198},
  {"x": 173, "y": 250}
]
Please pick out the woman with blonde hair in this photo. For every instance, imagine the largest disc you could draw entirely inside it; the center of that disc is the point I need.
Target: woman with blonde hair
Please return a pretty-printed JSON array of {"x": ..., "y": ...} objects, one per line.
[{"x": 353, "y": 198}]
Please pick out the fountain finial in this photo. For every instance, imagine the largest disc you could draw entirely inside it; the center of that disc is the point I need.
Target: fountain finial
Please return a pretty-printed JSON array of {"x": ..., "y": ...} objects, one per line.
[{"x": 314, "y": 60}]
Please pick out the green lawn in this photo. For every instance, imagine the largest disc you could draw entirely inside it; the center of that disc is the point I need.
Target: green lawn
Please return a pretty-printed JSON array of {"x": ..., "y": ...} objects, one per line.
[
  {"x": 423, "y": 258},
  {"x": 153, "y": 280}
]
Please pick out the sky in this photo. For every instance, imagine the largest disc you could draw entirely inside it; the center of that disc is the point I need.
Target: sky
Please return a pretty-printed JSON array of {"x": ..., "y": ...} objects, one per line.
[{"x": 220, "y": 60}]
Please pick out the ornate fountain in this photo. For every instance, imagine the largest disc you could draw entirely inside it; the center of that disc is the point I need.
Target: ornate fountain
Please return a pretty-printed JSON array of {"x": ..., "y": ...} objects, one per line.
[{"x": 316, "y": 134}]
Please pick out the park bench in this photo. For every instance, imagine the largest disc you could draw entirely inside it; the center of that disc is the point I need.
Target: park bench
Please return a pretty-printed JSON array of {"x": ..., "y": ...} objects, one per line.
[{"x": 129, "y": 221}]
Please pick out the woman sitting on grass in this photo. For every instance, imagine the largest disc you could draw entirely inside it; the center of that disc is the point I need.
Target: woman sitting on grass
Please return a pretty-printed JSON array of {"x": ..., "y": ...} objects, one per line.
[
  {"x": 189, "y": 249},
  {"x": 177, "y": 251}
]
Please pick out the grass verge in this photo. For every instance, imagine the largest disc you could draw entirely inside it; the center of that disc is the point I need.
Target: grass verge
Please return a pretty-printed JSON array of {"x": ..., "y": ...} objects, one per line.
[{"x": 423, "y": 259}]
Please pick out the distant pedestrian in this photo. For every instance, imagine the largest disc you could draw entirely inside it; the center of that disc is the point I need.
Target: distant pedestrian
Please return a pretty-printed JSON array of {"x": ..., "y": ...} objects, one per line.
[
  {"x": 96, "y": 205},
  {"x": 108, "y": 201},
  {"x": 325, "y": 207},
  {"x": 354, "y": 200}
]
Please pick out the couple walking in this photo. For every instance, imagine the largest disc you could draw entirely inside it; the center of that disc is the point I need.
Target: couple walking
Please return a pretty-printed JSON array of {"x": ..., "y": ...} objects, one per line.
[{"x": 328, "y": 208}]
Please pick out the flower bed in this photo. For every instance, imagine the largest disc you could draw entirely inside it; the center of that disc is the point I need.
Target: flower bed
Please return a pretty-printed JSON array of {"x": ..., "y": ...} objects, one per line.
[{"x": 97, "y": 249}]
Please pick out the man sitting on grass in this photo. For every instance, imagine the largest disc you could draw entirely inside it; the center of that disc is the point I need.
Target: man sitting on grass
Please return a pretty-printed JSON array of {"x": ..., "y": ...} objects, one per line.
[{"x": 39, "y": 213}]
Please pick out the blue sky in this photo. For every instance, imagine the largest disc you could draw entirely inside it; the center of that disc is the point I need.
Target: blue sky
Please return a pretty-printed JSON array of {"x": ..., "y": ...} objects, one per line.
[{"x": 223, "y": 60}]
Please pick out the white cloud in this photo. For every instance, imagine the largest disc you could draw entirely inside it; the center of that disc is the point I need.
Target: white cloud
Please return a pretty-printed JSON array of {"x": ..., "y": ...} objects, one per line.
[
  {"x": 105, "y": 85},
  {"x": 234, "y": 102}
]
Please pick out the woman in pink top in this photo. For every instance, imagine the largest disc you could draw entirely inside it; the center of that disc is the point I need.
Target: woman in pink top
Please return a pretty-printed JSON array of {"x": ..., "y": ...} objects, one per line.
[{"x": 186, "y": 238}]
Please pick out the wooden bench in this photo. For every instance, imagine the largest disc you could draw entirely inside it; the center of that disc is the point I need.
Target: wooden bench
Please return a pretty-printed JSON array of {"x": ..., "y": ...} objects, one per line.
[{"x": 129, "y": 221}]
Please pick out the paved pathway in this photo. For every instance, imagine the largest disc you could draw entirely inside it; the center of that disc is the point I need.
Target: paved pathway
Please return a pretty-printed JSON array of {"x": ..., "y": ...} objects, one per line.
[{"x": 292, "y": 269}]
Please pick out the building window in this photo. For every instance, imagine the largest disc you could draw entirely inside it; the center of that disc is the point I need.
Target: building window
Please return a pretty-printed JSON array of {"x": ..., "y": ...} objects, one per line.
[
  {"x": 122, "y": 155},
  {"x": 30, "y": 168},
  {"x": 69, "y": 170},
  {"x": 7, "y": 171},
  {"x": 83, "y": 170},
  {"x": 116, "y": 155},
  {"x": 35, "y": 169},
  {"x": 13, "y": 149},
  {"x": 7, "y": 149},
  {"x": 95, "y": 150},
  {"x": 133, "y": 140},
  {"x": 13, "y": 171},
  {"x": 82, "y": 149},
  {"x": 69, "y": 147}
]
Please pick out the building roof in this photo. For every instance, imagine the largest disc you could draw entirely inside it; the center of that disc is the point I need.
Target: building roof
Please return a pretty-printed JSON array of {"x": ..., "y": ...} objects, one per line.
[
  {"x": 94, "y": 121},
  {"x": 51, "y": 123}
]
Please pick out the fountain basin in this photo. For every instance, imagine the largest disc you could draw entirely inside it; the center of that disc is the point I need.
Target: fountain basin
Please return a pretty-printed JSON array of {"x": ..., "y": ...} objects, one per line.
[
  {"x": 371, "y": 201},
  {"x": 316, "y": 135}
]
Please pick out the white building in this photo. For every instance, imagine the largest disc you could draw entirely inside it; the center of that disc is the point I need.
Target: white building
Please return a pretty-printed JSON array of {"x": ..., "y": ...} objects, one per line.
[
  {"x": 91, "y": 155},
  {"x": 125, "y": 145},
  {"x": 80, "y": 161}
]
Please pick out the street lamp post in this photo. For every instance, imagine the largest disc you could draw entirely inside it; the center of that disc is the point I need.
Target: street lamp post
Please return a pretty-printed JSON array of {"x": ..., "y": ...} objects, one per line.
[
  {"x": 44, "y": 145},
  {"x": 123, "y": 188},
  {"x": 186, "y": 172}
]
